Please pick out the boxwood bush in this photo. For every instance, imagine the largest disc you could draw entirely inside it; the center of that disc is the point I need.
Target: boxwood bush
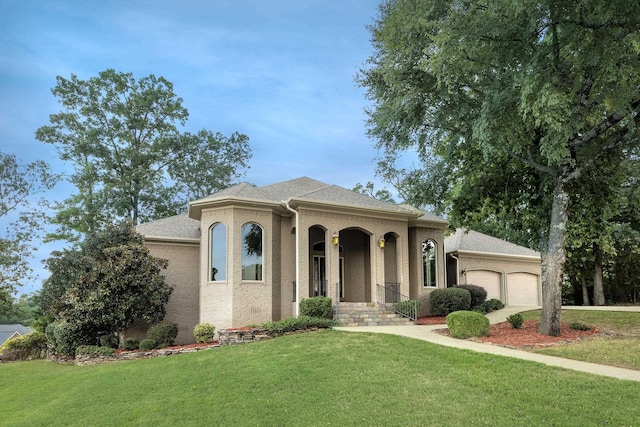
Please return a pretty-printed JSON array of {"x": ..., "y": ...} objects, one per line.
[
  {"x": 147, "y": 344},
  {"x": 94, "y": 350},
  {"x": 204, "y": 332},
  {"x": 445, "y": 301},
  {"x": 516, "y": 320},
  {"x": 465, "y": 324},
  {"x": 316, "y": 307},
  {"x": 406, "y": 307},
  {"x": 478, "y": 294},
  {"x": 130, "y": 344},
  {"x": 291, "y": 324},
  {"x": 164, "y": 334}
]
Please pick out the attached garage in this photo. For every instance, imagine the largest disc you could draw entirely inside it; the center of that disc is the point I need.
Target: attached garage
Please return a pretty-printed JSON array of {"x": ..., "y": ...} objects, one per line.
[
  {"x": 509, "y": 272},
  {"x": 490, "y": 280},
  {"x": 522, "y": 289}
]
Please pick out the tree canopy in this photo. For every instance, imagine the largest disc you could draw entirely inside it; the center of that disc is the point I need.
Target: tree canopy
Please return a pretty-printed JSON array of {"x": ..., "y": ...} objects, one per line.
[
  {"x": 508, "y": 104},
  {"x": 22, "y": 212},
  {"x": 130, "y": 158}
]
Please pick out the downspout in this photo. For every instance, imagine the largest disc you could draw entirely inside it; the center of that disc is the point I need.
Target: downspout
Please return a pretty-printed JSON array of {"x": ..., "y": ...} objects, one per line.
[{"x": 297, "y": 221}]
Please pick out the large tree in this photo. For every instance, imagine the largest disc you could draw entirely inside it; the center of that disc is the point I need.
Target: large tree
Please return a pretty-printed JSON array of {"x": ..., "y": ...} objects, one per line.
[
  {"x": 541, "y": 89},
  {"x": 22, "y": 212},
  {"x": 105, "y": 284},
  {"x": 129, "y": 155}
]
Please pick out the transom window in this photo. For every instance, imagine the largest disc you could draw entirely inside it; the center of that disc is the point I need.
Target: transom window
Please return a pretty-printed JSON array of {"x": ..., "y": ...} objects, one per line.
[
  {"x": 218, "y": 249},
  {"x": 251, "y": 251},
  {"x": 429, "y": 269}
]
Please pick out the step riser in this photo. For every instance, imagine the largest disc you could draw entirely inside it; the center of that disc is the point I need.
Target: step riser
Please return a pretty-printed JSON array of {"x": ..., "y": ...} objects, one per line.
[{"x": 368, "y": 314}]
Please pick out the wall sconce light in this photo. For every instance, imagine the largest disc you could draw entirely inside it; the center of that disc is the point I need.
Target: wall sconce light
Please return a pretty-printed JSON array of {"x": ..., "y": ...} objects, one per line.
[
  {"x": 335, "y": 239},
  {"x": 381, "y": 242}
]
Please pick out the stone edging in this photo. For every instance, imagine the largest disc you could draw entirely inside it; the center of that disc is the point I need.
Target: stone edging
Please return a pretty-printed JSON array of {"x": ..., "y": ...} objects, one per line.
[{"x": 84, "y": 360}]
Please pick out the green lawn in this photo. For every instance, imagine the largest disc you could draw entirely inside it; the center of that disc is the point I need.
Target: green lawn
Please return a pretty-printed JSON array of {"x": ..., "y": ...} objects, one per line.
[
  {"x": 321, "y": 378},
  {"x": 621, "y": 347}
]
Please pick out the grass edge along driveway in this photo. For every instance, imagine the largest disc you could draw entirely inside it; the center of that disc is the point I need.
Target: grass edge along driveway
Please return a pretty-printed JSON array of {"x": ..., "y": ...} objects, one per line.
[{"x": 319, "y": 378}]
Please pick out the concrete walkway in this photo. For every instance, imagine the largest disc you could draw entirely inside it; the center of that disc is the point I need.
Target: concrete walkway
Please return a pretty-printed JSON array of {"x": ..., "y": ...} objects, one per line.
[{"x": 426, "y": 333}]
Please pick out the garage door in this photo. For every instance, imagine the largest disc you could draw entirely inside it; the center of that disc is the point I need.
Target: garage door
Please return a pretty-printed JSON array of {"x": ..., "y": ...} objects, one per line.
[
  {"x": 490, "y": 280},
  {"x": 522, "y": 289}
]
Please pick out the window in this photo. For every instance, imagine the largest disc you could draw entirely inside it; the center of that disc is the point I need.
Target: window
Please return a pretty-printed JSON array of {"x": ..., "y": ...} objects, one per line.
[
  {"x": 429, "y": 263},
  {"x": 218, "y": 248},
  {"x": 251, "y": 251}
]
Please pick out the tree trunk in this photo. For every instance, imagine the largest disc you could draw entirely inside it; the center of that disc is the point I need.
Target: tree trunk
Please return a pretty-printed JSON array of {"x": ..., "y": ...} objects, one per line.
[
  {"x": 554, "y": 260},
  {"x": 585, "y": 292},
  {"x": 598, "y": 291}
]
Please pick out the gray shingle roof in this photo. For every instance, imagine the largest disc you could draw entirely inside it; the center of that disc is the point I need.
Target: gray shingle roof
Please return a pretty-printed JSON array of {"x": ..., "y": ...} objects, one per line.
[
  {"x": 178, "y": 226},
  {"x": 469, "y": 240},
  {"x": 7, "y": 331}
]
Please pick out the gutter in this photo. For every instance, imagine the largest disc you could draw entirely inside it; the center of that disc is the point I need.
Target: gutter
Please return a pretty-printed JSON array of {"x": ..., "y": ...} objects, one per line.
[{"x": 295, "y": 213}]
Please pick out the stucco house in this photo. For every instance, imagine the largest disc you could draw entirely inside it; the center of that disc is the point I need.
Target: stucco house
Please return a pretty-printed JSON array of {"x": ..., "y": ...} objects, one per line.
[
  {"x": 248, "y": 254},
  {"x": 508, "y": 272}
]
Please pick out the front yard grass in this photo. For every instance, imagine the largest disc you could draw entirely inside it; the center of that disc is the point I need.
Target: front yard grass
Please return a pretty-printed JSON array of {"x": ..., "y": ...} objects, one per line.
[
  {"x": 618, "y": 345},
  {"x": 319, "y": 378}
]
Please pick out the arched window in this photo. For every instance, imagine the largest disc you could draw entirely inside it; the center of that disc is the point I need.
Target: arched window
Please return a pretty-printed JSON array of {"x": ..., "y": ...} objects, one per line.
[
  {"x": 251, "y": 251},
  {"x": 218, "y": 252},
  {"x": 429, "y": 269}
]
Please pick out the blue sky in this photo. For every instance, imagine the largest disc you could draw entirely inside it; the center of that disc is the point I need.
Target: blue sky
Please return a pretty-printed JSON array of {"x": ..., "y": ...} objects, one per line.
[{"x": 281, "y": 72}]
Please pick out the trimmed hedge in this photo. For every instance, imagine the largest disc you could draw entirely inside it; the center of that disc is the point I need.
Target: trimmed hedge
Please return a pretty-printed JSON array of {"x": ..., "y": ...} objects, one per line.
[
  {"x": 94, "y": 350},
  {"x": 465, "y": 324},
  {"x": 204, "y": 332},
  {"x": 147, "y": 344},
  {"x": 164, "y": 334},
  {"x": 26, "y": 347},
  {"x": 316, "y": 307},
  {"x": 478, "y": 294},
  {"x": 291, "y": 324},
  {"x": 445, "y": 301},
  {"x": 516, "y": 320},
  {"x": 64, "y": 337},
  {"x": 130, "y": 344}
]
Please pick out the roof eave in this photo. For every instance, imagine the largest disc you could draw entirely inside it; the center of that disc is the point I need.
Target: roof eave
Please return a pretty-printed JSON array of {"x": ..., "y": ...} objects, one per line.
[
  {"x": 195, "y": 208},
  {"x": 530, "y": 258},
  {"x": 347, "y": 208}
]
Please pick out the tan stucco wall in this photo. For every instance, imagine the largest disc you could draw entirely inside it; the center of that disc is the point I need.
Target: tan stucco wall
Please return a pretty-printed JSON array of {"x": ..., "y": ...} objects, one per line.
[{"x": 182, "y": 275}]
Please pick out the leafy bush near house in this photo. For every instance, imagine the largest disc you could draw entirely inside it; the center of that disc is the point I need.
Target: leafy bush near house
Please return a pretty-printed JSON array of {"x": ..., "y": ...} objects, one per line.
[
  {"x": 130, "y": 344},
  {"x": 489, "y": 306},
  {"x": 30, "y": 346},
  {"x": 478, "y": 294},
  {"x": 406, "y": 308},
  {"x": 579, "y": 326},
  {"x": 316, "y": 307},
  {"x": 65, "y": 337},
  {"x": 204, "y": 332},
  {"x": 465, "y": 324},
  {"x": 110, "y": 340},
  {"x": 147, "y": 344},
  {"x": 291, "y": 324},
  {"x": 94, "y": 350},
  {"x": 516, "y": 320},
  {"x": 445, "y": 301},
  {"x": 164, "y": 334}
]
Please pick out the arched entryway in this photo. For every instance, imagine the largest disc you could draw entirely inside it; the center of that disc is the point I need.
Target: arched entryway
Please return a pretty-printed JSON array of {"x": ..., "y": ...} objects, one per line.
[{"x": 356, "y": 253}]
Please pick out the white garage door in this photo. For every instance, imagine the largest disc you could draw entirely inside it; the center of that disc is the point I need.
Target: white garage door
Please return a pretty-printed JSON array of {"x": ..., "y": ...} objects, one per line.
[
  {"x": 522, "y": 289},
  {"x": 490, "y": 280}
]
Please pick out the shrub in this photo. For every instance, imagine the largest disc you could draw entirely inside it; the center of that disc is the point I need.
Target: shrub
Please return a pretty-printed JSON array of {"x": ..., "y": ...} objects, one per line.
[
  {"x": 291, "y": 324},
  {"x": 316, "y": 307},
  {"x": 478, "y": 294},
  {"x": 204, "y": 332},
  {"x": 94, "y": 350},
  {"x": 465, "y": 324},
  {"x": 64, "y": 337},
  {"x": 110, "y": 340},
  {"x": 493, "y": 304},
  {"x": 406, "y": 308},
  {"x": 30, "y": 346},
  {"x": 147, "y": 344},
  {"x": 164, "y": 334},
  {"x": 516, "y": 320},
  {"x": 445, "y": 301},
  {"x": 130, "y": 344},
  {"x": 579, "y": 326}
]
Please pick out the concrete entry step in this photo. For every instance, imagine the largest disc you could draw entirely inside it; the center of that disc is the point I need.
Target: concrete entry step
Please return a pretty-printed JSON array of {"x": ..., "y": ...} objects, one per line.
[{"x": 368, "y": 314}]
